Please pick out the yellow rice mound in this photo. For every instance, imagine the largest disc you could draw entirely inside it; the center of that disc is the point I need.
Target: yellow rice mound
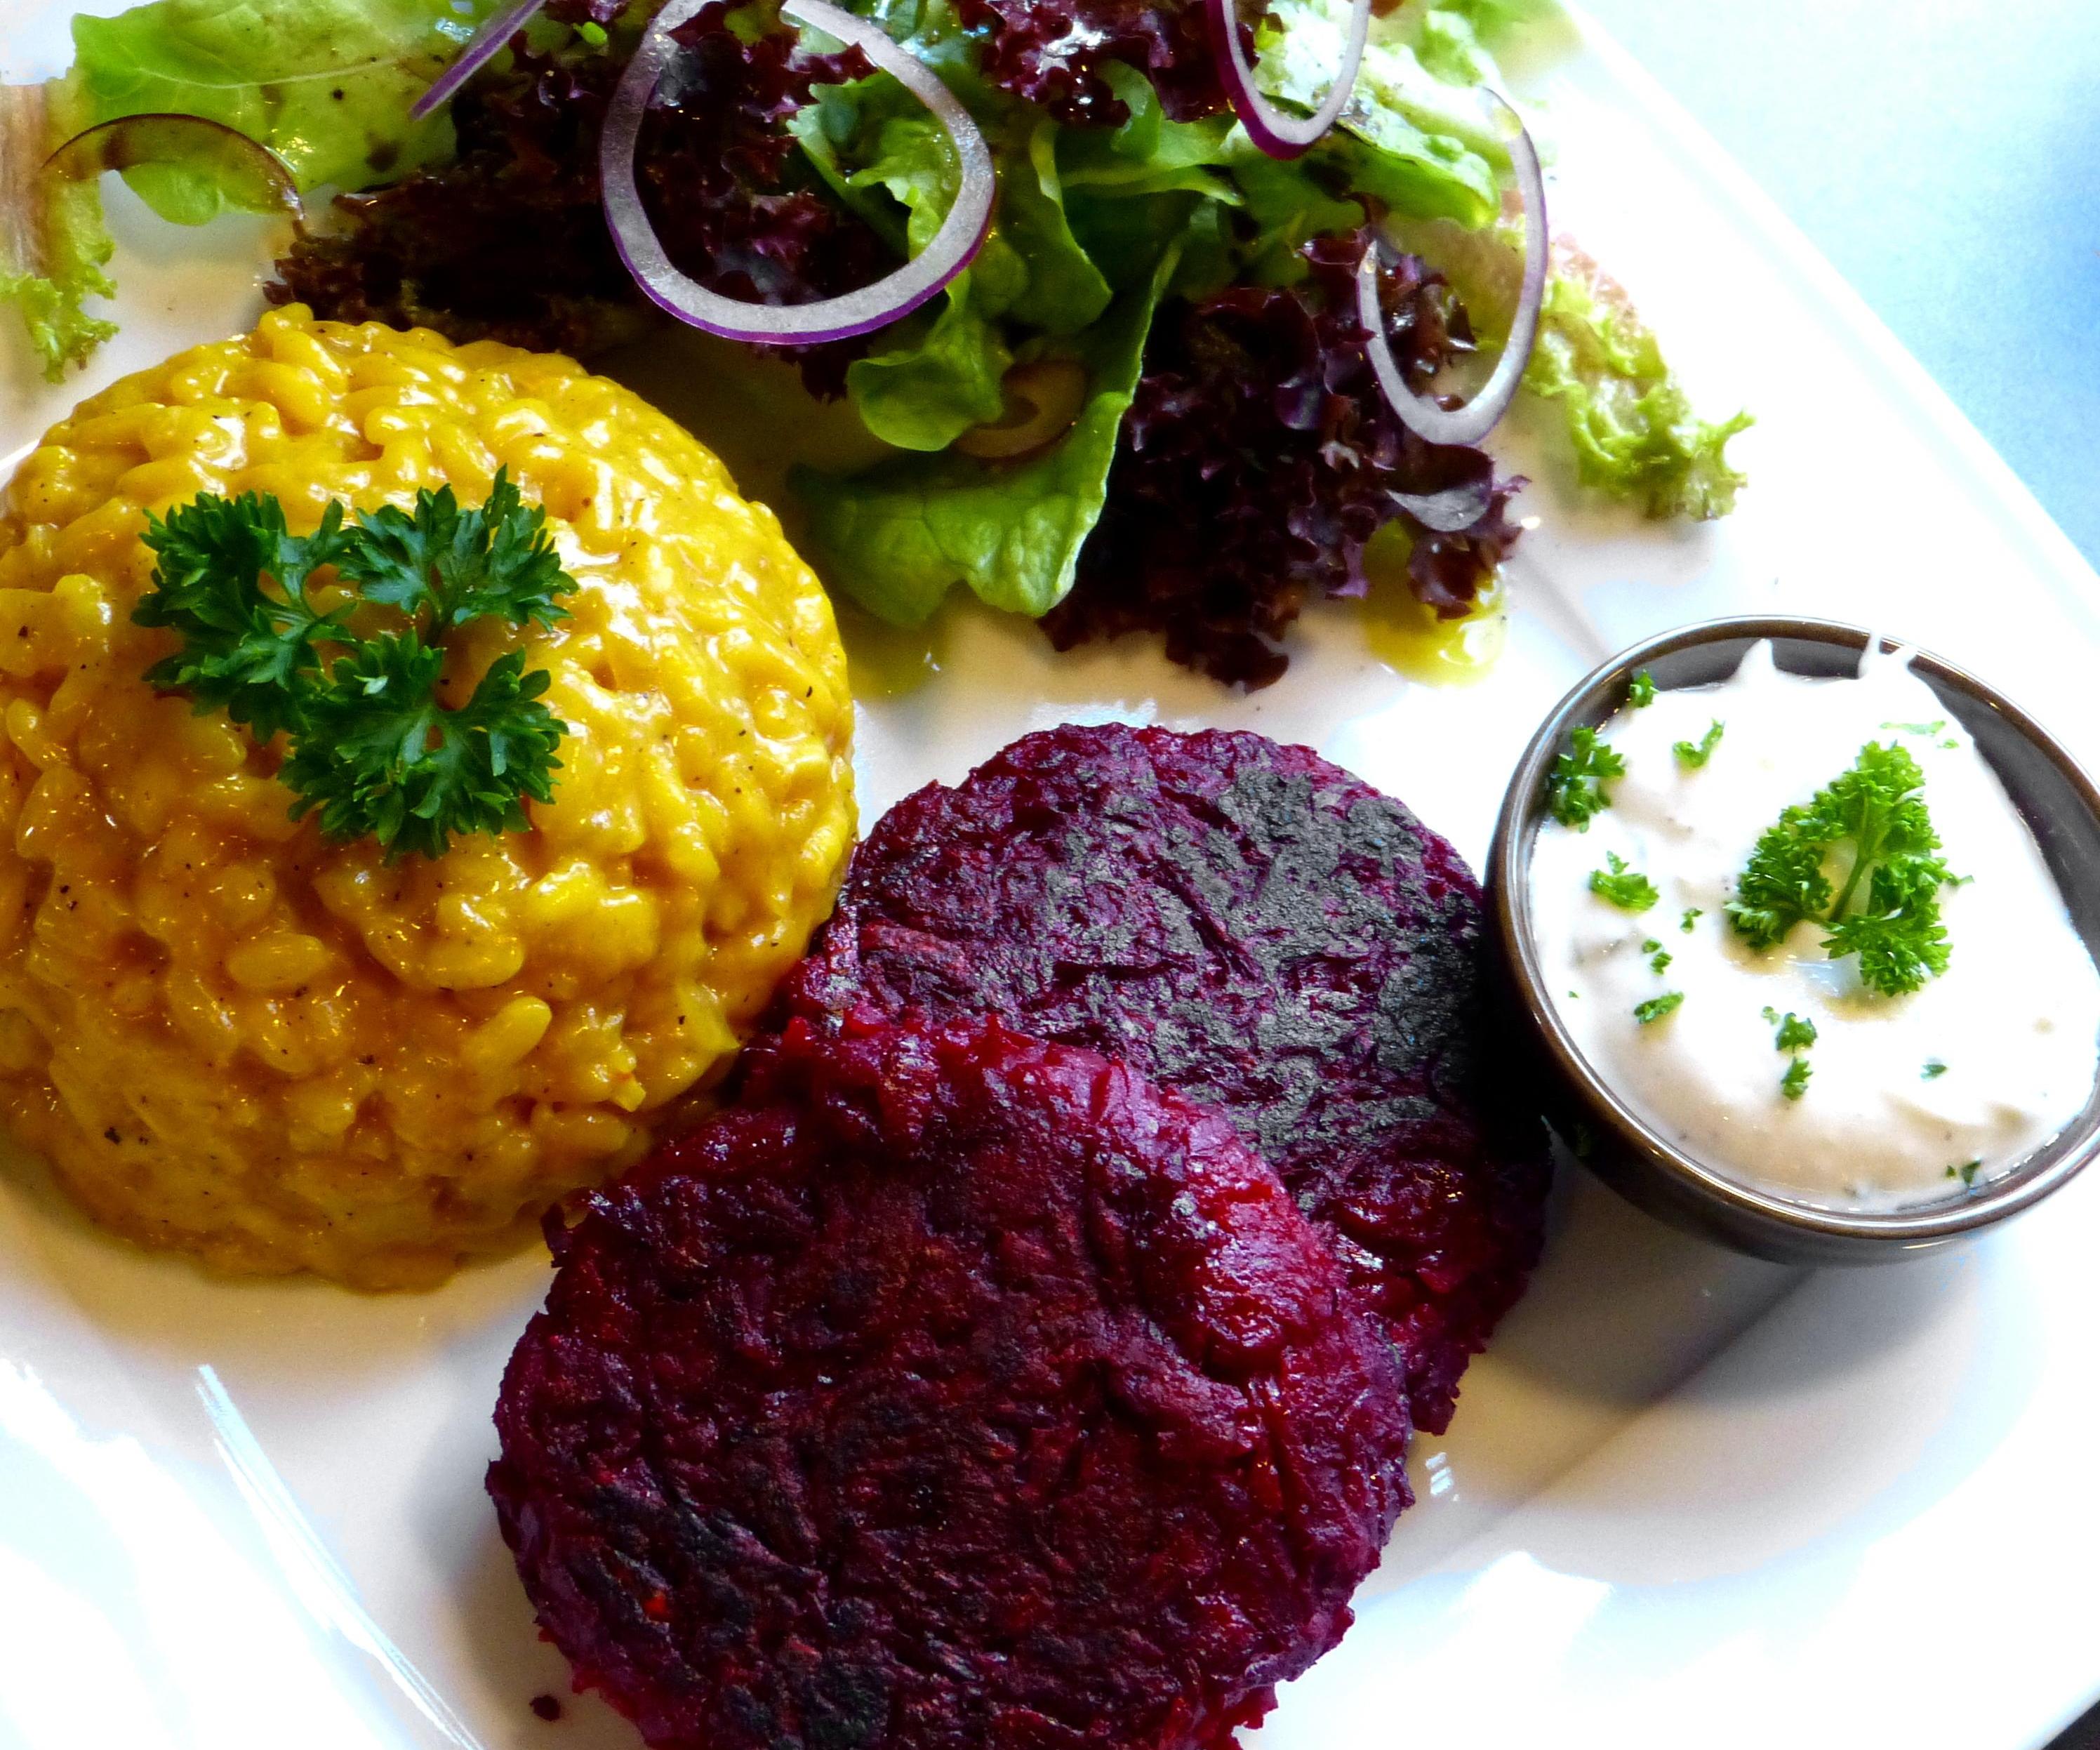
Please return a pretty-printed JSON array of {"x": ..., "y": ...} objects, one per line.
[{"x": 231, "y": 1036}]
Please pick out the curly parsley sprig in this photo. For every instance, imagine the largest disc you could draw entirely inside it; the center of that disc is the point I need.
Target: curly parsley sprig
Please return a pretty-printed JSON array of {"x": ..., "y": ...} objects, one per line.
[
  {"x": 1575, "y": 787},
  {"x": 371, "y": 750},
  {"x": 1626, "y": 888},
  {"x": 1887, "y": 911},
  {"x": 1691, "y": 755}
]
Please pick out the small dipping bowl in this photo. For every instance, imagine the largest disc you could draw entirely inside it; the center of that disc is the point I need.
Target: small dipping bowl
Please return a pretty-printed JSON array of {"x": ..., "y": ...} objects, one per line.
[{"x": 2055, "y": 799}]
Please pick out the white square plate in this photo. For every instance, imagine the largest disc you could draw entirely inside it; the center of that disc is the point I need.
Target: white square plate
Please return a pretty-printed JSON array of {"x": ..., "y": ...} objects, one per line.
[{"x": 1689, "y": 1500}]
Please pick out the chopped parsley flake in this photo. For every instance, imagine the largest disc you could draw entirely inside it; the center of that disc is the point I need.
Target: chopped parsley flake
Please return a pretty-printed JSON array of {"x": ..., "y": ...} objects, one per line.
[
  {"x": 1966, "y": 1173},
  {"x": 1649, "y": 1013},
  {"x": 1692, "y": 914},
  {"x": 1640, "y": 690},
  {"x": 1795, "y": 1034},
  {"x": 1575, "y": 788},
  {"x": 1794, "y": 1082},
  {"x": 1933, "y": 1069},
  {"x": 1627, "y": 889},
  {"x": 1887, "y": 912},
  {"x": 1691, "y": 755},
  {"x": 1659, "y": 962}
]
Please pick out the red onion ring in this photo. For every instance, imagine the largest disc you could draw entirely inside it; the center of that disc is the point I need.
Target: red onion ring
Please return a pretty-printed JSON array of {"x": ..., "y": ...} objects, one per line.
[
  {"x": 256, "y": 177},
  {"x": 1470, "y": 423},
  {"x": 1455, "y": 507},
  {"x": 481, "y": 48},
  {"x": 961, "y": 235},
  {"x": 1276, "y": 132}
]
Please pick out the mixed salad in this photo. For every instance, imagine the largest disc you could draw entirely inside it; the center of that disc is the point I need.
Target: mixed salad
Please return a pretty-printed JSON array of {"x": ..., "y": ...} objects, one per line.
[{"x": 1096, "y": 274}]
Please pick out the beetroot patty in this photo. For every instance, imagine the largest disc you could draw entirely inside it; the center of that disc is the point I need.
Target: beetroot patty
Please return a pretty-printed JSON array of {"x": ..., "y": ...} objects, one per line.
[
  {"x": 954, "y": 1390},
  {"x": 1249, "y": 926}
]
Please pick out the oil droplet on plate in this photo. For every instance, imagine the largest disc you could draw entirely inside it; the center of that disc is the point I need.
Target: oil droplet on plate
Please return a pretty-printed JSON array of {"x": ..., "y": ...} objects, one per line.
[{"x": 1408, "y": 636}]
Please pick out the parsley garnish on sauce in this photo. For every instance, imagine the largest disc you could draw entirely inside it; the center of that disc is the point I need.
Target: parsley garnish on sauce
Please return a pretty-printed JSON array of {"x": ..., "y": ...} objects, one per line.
[
  {"x": 1692, "y": 914},
  {"x": 1657, "y": 1007},
  {"x": 1794, "y": 1034},
  {"x": 1575, "y": 787},
  {"x": 1872, "y": 823},
  {"x": 1627, "y": 889},
  {"x": 372, "y": 750},
  {"x": 1640, "y": 690},
  {"x": 1691, "y": 755},
  {"x": 1933, "y": 1069},
  {"x": 1966, "y": 1172}
]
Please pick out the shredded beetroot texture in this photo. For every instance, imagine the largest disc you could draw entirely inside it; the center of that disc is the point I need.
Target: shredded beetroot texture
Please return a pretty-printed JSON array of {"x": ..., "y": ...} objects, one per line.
[
  {"x": 1259, "y": 459},
  {"x": 1252, "y": 927},
  {"x": 953, "y": 1390},
  {"x": 510, "y": 240},
  {"x": 1051, "y": 52}
]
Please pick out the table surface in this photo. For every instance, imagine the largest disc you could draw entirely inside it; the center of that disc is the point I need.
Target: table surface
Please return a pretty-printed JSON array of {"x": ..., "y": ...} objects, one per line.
[{"x": 1940, "y": 155}]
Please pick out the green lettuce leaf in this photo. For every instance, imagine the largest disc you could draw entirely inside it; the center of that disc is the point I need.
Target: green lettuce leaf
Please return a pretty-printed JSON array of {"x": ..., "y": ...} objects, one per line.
[
  {"x": 1128, "y": 187},
  {"x": 938, "y": 374},
  {"x": 1635, "y": 434},
  {"x": 1458, "y": 40},
  {"x": 1147, "y": 154},
  {"x": 1082, "y": 214},
  {"x": 1493, "y": 22},
  {"x": 935, "y": 377},
  {"x": 53, "y": 245},
  {"x": 1065, "y": 290},
  {"x": 1412, "y": 135},
  {"x": 1123, "y": 237},
  {"x": 899, "y": 536},
  {"x": 1288, "y": 203},
  {"x": 326, "y": 84}
]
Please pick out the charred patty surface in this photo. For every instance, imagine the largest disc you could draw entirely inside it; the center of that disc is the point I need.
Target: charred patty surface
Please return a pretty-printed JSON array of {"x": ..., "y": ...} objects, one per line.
[
  {"x": 1249, "y": 926},
  {"x": 954, "y": 1389}
]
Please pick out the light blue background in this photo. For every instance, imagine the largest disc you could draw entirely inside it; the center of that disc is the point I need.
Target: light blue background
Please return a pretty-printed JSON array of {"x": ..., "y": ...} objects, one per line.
[{"x": 1945, "y": 156}]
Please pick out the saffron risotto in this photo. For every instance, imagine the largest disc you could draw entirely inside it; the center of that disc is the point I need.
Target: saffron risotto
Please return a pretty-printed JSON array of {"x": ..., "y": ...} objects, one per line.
[{"x": 232, "y": 1036}]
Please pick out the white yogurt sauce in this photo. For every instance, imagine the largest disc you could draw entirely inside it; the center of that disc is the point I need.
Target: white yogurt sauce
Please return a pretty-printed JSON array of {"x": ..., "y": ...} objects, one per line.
[{"x": 2014, "y": 1019}]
